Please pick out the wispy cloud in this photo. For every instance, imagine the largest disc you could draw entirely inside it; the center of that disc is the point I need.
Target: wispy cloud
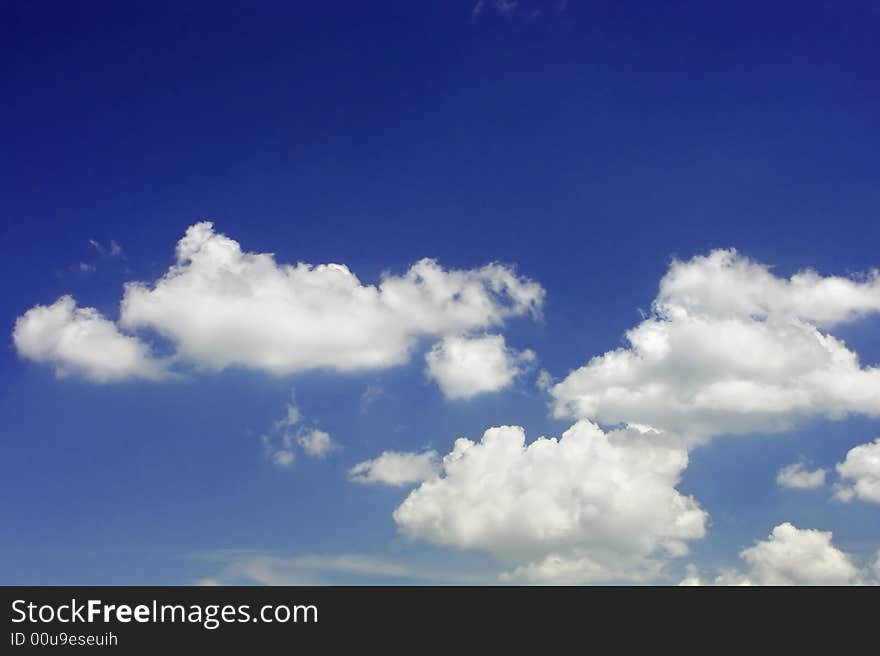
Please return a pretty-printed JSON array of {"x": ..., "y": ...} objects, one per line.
[
  {"x": 287, "y": 432},
  {"x": 235, "y": 567}
]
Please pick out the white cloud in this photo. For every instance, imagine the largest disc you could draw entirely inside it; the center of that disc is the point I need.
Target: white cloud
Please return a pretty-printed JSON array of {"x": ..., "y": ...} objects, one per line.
[
  {"x": 372, "y": 393},
  {"x": 592, "y": 506},
  {"x": 114, "y": 250},
  {"x": 691, "y": 577},
  {"x": 291, "y": 418},
  {"x": 220, "y": 306},
  {"x": 730, "y": 348},
  {"x": 544, "y": 381},
  {"x": 316, "y": 443},
  {"x": 237, "y": 567},
  {"x": 82, "y": 341},
  {"x": 396, "y": 468},
  {"x": 727, "y": 284},
  {"x": 793, "y": 556},
  {"x": 224, "y": 307},
  {"x": 283, "y": 457},
  {"x": 465, "y": 366},
  {"x": 860, "y": 473},
  {"x": 279, "y": 441},
  {"x": 790, "y": 556},
  {"x": 797, "y": 476}
]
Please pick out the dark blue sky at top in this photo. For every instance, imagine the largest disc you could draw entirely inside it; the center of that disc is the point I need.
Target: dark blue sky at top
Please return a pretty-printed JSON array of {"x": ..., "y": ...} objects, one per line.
[{"x": 586, "y": 143}]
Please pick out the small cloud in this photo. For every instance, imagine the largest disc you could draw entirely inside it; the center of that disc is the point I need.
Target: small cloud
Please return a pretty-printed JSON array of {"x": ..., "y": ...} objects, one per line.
[
  {"x": 82, "y": 341},
  {"x": 236, "y": 567},
  {"x": 283, "y": 457},
  {"x": 396, "y": 469},
  {"x": 85, "y": 267},
  {"x": 285, "y": 434},
  {"x": 860, "y": 474},
  {"x": 371, "y": 394},
  {"x": 797, "y": 476},
  {"x": 292, "y": 417},
  {"x": 316, "y": 443},
  {"x": 503, "y": 7},
  {"x": 113, "y": 250},
  {"x": 544, "y": 381},
  {"x": 466, "y": 366}
]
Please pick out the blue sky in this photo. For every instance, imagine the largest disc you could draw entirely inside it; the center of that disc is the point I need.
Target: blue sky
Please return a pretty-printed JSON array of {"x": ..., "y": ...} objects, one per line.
[{"x": 583, "y": 146}]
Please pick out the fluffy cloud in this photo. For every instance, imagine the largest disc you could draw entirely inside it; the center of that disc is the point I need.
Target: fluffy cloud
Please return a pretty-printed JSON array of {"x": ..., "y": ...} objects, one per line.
[
  {"x": 464, "y": 367},
  {"x": 591, "y": 506},
  {"x": 726, "y": 284},
  {"x": 396, "y": 468},
  {"x": 797, "y": 476},
  {"x": 730, "y": 348},
  {"x": 82, "y": 341},
  {"x": 790, "y": 556},
  {"x": 860, "y": 473},
  {"x": 316, "y": 443},
  {"x": 793, "y": 556},
  {"x": 222, "y": 306}
]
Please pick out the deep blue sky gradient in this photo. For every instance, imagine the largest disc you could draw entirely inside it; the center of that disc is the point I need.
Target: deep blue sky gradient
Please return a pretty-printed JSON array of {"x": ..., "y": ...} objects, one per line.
[{"x": 587, "y": 145}]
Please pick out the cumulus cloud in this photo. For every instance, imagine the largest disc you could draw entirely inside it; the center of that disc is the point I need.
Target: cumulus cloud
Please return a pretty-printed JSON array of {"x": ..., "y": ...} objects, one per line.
[
  {"x": 591, "y": 506},
  {"x": 222, "y": 306},
  {"x": 396, "y": 468},
  {"x": 316, "y": 443},
  {"x": 730, "y": 348},
  {"x": 82, "y": 341},
  {"x": 798, "y": 476},
  {"x": 793, "y": 556},
  {"x": 465, "y": 366},
  {"x": 860, "y": 474},
  {"x": 789, "y": 556}
]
